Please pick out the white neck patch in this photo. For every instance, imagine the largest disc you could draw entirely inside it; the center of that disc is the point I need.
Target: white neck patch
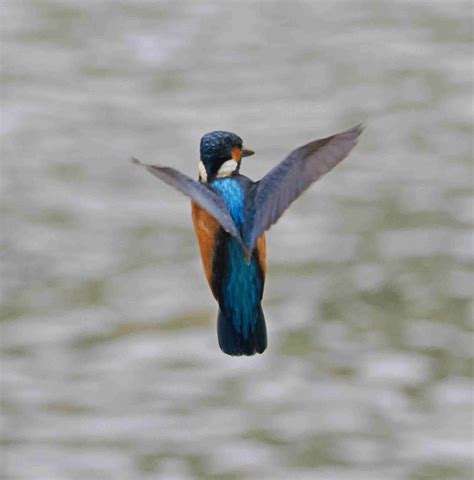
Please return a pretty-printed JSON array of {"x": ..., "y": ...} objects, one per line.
[
  {"x": 202, "y": 172},
  {"x": 227, "y": 169}
]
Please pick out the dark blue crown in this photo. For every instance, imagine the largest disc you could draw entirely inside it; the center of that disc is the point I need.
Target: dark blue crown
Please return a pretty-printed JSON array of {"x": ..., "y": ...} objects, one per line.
[{"x": 216, "y": 148}]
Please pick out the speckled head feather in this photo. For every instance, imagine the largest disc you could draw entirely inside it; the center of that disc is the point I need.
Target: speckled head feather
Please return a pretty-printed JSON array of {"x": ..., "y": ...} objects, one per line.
[{"x": 216, "y": 148}]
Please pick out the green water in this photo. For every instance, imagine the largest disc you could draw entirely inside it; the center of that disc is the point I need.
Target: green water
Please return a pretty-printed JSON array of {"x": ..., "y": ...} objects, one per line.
[{"x": 109, "y": 359}]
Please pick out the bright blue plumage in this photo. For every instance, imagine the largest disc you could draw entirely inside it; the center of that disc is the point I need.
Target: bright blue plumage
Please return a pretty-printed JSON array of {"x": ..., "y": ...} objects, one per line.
[
  {"x": 242, "y": 285},
  {"x": 233, "y": 195}
]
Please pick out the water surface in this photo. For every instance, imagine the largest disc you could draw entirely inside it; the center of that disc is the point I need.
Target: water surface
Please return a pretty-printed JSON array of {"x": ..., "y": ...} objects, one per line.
[{"x": 110, "y": 364}]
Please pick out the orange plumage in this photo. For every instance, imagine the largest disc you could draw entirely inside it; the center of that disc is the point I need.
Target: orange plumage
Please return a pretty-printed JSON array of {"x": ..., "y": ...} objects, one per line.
[{"x": 206, "y": 228}]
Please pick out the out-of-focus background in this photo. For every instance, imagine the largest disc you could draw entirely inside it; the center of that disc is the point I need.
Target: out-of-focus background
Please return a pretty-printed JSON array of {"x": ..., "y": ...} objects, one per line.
[{"x": 110, "y": 365}]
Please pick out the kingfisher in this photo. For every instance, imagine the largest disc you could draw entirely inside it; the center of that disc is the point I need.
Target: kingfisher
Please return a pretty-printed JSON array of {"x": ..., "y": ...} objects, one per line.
[{"x": 231, "y": 214}]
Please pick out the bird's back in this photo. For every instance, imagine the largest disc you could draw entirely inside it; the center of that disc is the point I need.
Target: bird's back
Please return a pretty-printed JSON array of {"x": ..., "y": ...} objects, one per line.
[{"x": 236, "y": 284}]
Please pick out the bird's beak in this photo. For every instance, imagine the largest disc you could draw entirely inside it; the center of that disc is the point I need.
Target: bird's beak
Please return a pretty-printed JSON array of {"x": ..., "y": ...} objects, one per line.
[{"x": 246, "y": 152}]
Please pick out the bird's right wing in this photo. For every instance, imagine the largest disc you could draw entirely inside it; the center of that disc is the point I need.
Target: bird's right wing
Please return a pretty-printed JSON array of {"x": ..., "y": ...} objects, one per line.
[
  {"x": 273, "y": 194},
  {"x": 199, "y": 193}
]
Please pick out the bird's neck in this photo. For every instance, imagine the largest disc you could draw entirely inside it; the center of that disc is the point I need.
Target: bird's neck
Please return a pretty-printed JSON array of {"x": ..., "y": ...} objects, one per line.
[{"x": 227, "y": 169}]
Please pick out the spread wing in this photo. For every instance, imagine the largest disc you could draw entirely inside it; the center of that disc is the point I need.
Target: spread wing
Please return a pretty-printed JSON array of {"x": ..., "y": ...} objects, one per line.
[
  {"x": 272, "y": 195},
  {"x": 200, "y": 193}
]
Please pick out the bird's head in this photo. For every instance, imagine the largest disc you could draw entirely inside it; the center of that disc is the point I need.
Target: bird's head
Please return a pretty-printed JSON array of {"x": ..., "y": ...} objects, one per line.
[{"x": 221, "y": 153}]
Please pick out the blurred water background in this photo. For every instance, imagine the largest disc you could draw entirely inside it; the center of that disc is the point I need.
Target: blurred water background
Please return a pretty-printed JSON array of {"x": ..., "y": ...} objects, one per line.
[{"x": 110, "y": 365}]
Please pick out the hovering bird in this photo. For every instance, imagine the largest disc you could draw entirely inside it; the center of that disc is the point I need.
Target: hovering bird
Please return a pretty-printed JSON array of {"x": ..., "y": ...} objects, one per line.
[{"x": 231, "y": 213}]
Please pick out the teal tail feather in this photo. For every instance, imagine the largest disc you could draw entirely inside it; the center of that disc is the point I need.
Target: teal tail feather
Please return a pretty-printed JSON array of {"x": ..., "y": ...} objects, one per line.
[{"x": 234, "y": 341}]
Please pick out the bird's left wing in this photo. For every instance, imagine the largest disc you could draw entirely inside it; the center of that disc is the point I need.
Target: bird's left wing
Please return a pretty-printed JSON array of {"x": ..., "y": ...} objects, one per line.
[
  {"x": 272, "y": 195},
  {"x": 199, "y": 193}
]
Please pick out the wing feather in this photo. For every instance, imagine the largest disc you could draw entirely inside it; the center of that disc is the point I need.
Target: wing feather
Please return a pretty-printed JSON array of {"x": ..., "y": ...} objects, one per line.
[
  {"x": 199, "y": 193},
  {"x": 273, "y": 194}
]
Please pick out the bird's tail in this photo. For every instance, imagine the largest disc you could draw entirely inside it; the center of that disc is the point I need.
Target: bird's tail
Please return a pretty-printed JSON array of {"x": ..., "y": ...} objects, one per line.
[{"x": 235, "y": 339}]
